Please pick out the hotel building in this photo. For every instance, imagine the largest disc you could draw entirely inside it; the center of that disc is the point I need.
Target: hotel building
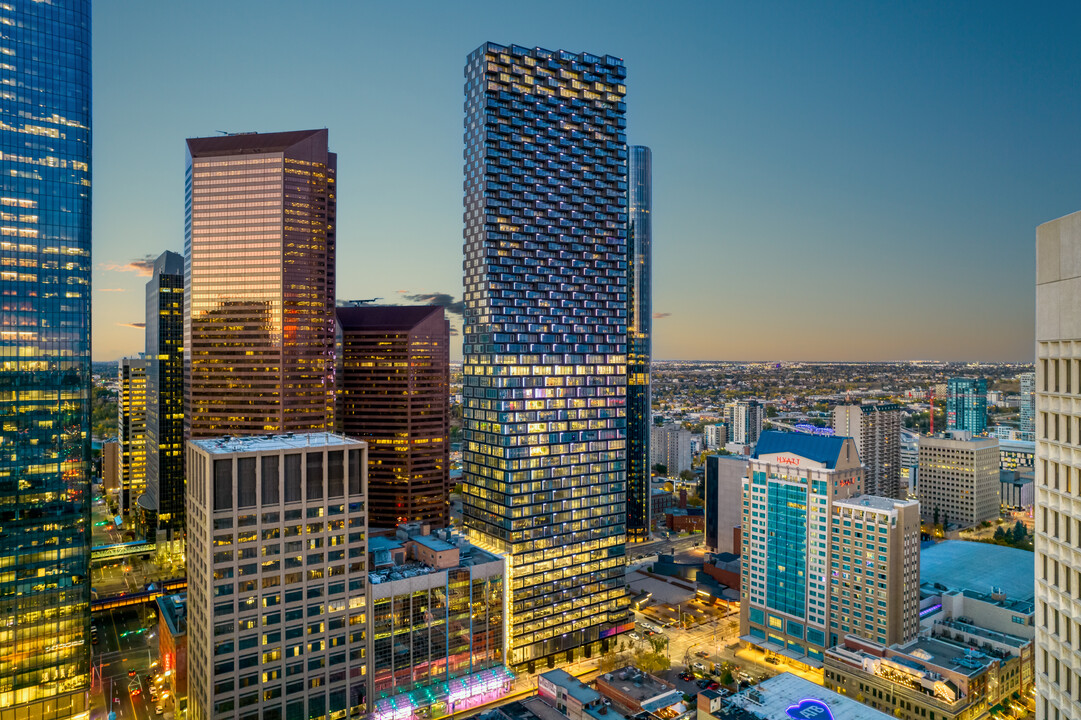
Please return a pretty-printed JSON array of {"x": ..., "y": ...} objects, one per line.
[
  {"x": 545, "y": 341},
  {"x": 277, "y": 577},
  {"x": 259, "y": 284}
]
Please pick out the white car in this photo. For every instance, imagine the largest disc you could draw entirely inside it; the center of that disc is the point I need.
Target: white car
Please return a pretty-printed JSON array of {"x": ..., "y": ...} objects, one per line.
[
  {"x": 699, "y": 667},
  {"x": 634, "y": 636}
]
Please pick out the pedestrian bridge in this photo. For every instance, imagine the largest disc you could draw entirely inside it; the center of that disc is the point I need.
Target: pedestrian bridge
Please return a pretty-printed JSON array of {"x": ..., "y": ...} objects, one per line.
[{"x": 110, "y": 552}]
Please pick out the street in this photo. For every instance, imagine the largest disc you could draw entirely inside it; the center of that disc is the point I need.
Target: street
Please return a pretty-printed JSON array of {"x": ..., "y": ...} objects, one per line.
[{"x": 124, "y": 645}]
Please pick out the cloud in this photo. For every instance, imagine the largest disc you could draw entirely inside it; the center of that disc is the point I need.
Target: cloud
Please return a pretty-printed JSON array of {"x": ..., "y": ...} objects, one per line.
[
  {"x": 137, "y": 325},
  {"x": 140, "y": 266},
  {"x": 658, "y": 316},
  {"x": 455, "y": 307},
  {"x": 111, "y": 290}
]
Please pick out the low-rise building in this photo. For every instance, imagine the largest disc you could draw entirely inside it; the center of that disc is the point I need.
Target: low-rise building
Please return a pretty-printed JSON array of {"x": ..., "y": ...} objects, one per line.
[
  {"x": 436, "y": 607},
  {"x": 784, "y": 697},
  {"x": 960, "y": 673},
  {"x": 661, "y": 500},
  {"x": 631, "y": 689},
  {"x": 173, "y": 647},
  {"x": 1014, "y": 454},
  {"x": 1017, "y": 489},
  {"x": 689, "y": 520},
  {"x": 570, "y": 696}
]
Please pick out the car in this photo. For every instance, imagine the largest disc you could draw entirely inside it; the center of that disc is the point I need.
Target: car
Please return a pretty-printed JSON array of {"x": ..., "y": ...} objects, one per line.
[
  {"x": 699, "y": 667},
  {"x": 634, "y": 636},
  {"x": 771, "y": 660},
  {"x": 702, "y": 683},
  {"x": 686, "y": 676},
  {"x": 713, "y": 685},
  {"x": 158, "y": 710}
]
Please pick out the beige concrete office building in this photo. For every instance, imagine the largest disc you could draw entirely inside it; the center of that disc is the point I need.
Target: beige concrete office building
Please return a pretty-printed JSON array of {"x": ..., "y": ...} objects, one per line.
[
  {"x": 277, "y": 575},
  {"x": 958, "y": 479},
  {"x": 1058, "y": 469}
]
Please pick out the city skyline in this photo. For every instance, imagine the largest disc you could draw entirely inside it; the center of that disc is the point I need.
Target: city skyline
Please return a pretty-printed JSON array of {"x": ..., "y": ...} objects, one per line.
[{"x": 907, "y": 142}]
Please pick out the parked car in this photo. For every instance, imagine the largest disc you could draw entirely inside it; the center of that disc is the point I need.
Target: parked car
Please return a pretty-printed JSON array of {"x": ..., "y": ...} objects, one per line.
[
  {"x": 702, "y": 683},
  {"x": 686, "y": 676},
  {"x": 713, "y": 685},
  {"x": 699, "y": 667},
  {"x": 634, "y": 636}
]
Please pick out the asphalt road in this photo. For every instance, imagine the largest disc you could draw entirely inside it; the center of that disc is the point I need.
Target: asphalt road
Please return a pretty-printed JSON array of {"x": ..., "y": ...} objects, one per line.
[{"x": 122, "y": 648}]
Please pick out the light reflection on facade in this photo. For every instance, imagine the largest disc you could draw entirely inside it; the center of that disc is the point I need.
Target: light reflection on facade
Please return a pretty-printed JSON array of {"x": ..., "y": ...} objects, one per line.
[
  {"x": 639, "y": 340},
  {"x": 45, "y": 354},
  {"x": 259, "y": 283},
  {"x": 545, "y": 340}
]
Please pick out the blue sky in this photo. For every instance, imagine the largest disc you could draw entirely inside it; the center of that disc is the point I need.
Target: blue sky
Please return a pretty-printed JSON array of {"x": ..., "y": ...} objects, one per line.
[{"x": 832, "y": 181}]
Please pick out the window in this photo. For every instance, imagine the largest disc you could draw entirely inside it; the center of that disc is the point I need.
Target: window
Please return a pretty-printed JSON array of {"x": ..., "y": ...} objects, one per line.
[
  {"x": 292, "y": 478},
  {"x": 223, "y": 484},
  {"x": 270, "y": 481},
  {"x": 315, "y": 476},
  {"x": 335, "y": 474},
  {"x": 245, "y": 482}
]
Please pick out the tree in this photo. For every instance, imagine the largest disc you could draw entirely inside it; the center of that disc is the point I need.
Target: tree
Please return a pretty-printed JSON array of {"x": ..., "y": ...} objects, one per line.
[
  {"x": 659, "y": 469},
  {"x": 686, "y": 475},
  {"x": 1019, "y": 531},
  {"x": 652, "y": 662},
  {"x": 1000, "y": 536},
  {"x": 936, "y": 515}
]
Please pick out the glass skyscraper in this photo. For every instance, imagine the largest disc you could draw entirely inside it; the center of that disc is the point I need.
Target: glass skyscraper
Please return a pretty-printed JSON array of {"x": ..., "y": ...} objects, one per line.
[
  {"x": 545, "y": 340},
  {"x": 165, "y": 396},
  {"x": 45, "y": 343},
  {"x": 639, "y": 342},
  {"x": 966, "y": 404},
  {"x": 259, "y": 284}
]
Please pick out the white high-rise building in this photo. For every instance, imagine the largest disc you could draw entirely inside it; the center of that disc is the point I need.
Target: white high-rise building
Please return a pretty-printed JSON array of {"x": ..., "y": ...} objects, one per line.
[
  {"x": 745, "y": 421},
  {"x": 277, "y": 572},
  {"x": 876, "y": 428},
  {"x": 670, "y": 445},
  {"x": 716, "y": 436},
  {"x": 1058, "y": 469}
]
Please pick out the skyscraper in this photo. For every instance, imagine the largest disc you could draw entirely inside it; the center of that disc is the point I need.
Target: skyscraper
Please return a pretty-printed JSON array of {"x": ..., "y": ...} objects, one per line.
[
  {"x": 639, "y": 338},
  {"x": 966, "y": 404},
  {"x": 1058, "y": 463},
  {"x": 545, "y": 340},
  {"x": 165, "y": 395},
  {"x": 745, "y": 420},
  {"x": 277, "y": 576},
  {"x": 1027, "y": 426},
  {"x": 393, "y": 382},
  {"x": 45, "y": 285},
  {"x": 259, "y": 284},
  {"x": 131, "y": 428},
  {"x": 876, "y": 428}
]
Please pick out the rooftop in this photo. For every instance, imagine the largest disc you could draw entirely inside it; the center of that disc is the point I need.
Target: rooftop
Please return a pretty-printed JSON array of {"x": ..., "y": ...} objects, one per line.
[
  {"x": 874, "y": 502},
  {"x": 634, "y": 683},
  {"x": 228, "y": 444},
  {"x": 247, "y": 143},
  {"x": 982, "y": 567},
  {"x": 439, "y": 540},
  {"x": 173, "y": 609},
  {"x": 384, "y": 317},
  {"x": 1024, "y": 607},
  {"x": 946, "y": 654},
  {"x": 820, "y": 448},
  {"x": 572, "y": 685},
  {"x": 774, "y": 698}
]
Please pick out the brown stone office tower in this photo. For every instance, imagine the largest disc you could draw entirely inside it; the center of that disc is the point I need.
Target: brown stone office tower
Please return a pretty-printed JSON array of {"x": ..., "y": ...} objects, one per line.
[
  {"x": 393, "y": 377},
  {"x": 259, "y": 284}
]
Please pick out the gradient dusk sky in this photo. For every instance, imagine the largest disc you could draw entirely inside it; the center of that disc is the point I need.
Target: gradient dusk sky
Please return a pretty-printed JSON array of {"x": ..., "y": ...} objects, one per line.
[{"x": 832, "y": 181}]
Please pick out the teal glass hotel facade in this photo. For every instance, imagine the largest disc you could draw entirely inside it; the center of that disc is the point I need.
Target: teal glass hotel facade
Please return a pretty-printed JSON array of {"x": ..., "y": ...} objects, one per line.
[
  {"x": 545, "y": 341},
  {"x": 45, "y": 382}
]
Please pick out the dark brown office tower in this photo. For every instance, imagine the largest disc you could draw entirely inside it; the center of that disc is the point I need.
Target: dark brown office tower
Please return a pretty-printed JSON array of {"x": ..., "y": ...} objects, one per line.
[
  {"x": 259, "y": 284},
  {"x": 393, "y": 379}
]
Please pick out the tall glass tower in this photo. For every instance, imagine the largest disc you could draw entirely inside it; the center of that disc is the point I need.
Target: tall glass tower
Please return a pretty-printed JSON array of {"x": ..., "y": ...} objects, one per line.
[
  {"x": 259, "y": 284},
  {"x": 545, "y": 340},
  {"x": 45, "y": 347},
  {"x": 639, "y": 342},
  {"x": 164, "y": 499}
]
